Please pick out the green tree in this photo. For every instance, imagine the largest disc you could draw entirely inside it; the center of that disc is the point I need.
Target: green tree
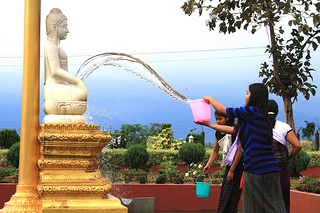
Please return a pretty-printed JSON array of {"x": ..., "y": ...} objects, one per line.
[
  {"x": 166, "y": 138},
  {"x": 291, "y": 69},
  {"x": 8, "y": 137},
  {"x": 197, "y": 138},
  {"x": 308, "y": 132},
  {"x": 138, "y": 134},
  {"x": 119, "y": 140}
]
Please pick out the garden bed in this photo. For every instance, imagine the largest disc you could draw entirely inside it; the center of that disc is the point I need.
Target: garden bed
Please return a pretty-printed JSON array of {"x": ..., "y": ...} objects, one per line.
[{"x": 182, "y": 197}]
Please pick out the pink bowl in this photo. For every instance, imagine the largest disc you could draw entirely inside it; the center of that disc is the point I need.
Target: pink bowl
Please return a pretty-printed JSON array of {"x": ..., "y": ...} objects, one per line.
[{"x": 201, "y": 110}]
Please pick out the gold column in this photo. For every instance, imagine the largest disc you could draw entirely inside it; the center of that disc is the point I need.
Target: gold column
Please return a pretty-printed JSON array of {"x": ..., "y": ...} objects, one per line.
[{"x": 26, "y": 198}]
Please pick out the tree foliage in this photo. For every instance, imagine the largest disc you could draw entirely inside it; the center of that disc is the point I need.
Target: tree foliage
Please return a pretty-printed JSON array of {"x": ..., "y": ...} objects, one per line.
[
  {"x": 8, "y": 137},
  {"x": 291, "y": 68},
  {"x": 197, "y": 138},
  {"x": 119, "y": 140},
  {"x": 13, "y": 154},
  {"x": 308, "y": 132},
  {"x": 138, "y": 134}
]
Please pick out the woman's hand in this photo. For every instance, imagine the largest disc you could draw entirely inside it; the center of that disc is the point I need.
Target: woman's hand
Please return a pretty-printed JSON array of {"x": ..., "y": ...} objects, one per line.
[
  {"x": 207, "y": 98},
  {"x": 205, "y": 123},
  {"x": 205, "y": 169},
  {"x": 230, "y": 176}
]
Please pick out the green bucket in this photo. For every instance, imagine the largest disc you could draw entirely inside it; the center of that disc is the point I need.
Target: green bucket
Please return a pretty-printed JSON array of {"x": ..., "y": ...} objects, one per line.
[{"x": 203, "y": 188}]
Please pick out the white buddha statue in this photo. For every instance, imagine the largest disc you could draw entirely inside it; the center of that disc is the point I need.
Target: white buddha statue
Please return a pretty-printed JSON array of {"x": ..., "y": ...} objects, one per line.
[{"x": 65, "y": 95}]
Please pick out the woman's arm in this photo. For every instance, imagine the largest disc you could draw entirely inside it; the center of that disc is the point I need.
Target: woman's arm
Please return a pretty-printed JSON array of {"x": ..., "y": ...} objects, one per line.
[
  {"x": 216, "y": 105},
  {"x": 234, "y": 165},
  {"x": 293, "y": 140},
  {"x": 212, "y": 158},
  {"x": 220, "y": 128}
]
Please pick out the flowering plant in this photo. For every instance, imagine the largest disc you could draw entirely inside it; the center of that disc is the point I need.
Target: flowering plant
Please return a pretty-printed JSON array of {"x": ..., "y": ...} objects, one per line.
[
  {"x": 8, "y": 173},
  {"x": 195, "y": 171},
  {"x": 171, "y": 170}
]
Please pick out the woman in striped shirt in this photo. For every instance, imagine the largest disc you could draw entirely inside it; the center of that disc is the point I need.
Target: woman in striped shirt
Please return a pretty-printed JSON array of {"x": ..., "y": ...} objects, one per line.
[{"x": 261, "y": 184}]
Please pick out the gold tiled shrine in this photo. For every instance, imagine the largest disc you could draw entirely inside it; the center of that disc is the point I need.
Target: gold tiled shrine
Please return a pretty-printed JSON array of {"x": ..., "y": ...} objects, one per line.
[{"x": 69, "y": 181}]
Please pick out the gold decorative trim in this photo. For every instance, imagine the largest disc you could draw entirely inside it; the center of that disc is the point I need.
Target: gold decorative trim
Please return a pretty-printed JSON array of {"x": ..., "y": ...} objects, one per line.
[
  {"x": 91, "y": 176},
  {"x": 65, "y": 126},
  {"x": 74, "y": 137},
  {"x": 68, "y": 163},
  {"x": 23, "y": 204},
  {"x": 74, "y": 190}
]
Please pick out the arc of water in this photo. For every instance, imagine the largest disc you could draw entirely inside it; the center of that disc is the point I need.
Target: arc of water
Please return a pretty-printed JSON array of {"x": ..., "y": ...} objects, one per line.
[{"x": 144, "y": 71}]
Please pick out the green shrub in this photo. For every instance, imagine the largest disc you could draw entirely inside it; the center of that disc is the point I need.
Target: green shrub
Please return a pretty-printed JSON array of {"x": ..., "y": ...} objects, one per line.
[
  {"x": 8, "y": 173},
  {"x": 309, "y": 184},
  {"x": 197, "y": 138},
  {"x": 314, "y": 159},
  {"x": 113, "y": 173},
  {"x": 8, "y": 137},
  {"x": 161, "y": 177},
  {"x": 178, "y": 178},
  {"x": 115, "y": 156},
  {"x": 129, "y": 175},
  {"x": 136, "y": 157},
  {"x": 13, "y": 154},
  {"x": 142, "y": 177},
  {"x": 299, "y": 163},
  {"x": 192, "y": 153},
  {"x": 307, "y": 145},
  {"x": 3, "y": 156}
]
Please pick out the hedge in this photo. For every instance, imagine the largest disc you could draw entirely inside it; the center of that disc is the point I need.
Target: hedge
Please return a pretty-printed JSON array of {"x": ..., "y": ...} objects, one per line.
[
  {"x": 314, "y": 158},
  {"x": 114, "y": 157}
]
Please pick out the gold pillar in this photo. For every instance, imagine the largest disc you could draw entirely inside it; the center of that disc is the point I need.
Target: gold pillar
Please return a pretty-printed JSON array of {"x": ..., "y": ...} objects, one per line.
[{"x": 26, "y": 198}]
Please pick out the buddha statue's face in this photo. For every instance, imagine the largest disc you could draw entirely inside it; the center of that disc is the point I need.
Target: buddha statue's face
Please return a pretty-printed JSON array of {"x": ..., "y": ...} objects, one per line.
[{"x": 62, "y": 30}]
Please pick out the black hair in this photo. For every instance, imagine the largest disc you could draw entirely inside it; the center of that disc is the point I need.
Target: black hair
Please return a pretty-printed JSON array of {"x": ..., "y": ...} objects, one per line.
[
  {"x": 230, "y": 121},
  {"x": 273, "y": 111},
  {"x": 259, "y": 98}
]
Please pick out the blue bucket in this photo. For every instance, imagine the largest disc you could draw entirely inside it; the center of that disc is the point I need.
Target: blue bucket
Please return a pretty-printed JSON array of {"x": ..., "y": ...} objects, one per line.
[{"x": 203, "y": 189}]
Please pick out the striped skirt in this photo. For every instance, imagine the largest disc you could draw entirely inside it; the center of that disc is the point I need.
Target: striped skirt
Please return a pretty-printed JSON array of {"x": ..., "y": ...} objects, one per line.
[
  {"x": 230, "y": 192},
  {"x": 262, "y": 193}
]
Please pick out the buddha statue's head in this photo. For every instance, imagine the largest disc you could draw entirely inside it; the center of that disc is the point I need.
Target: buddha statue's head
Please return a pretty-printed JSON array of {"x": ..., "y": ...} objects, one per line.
[{"x": 54, "y": 19}]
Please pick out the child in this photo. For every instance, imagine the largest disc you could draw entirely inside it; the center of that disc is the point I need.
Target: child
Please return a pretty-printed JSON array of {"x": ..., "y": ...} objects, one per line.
[
  {"x": 282, "y": 137},
  {"x": 230, "y": 189},
  {"x": 261, "y": 182}
]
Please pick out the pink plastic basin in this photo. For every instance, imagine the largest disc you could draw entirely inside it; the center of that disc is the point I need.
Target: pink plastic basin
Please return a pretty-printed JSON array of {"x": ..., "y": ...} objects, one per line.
[{"x": 201, "y": 110}]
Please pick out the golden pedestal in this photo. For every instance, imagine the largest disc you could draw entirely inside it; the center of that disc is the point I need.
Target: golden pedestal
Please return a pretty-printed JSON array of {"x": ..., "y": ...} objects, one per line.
[{"x": 68, "y": 180}]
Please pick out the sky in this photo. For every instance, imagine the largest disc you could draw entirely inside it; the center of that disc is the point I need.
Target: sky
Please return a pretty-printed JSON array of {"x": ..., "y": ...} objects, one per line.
[{"x": 192, "y": 59}]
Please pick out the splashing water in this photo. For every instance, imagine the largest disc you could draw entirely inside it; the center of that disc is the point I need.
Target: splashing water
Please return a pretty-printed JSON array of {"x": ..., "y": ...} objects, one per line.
[{"x": 130, "y": 64}]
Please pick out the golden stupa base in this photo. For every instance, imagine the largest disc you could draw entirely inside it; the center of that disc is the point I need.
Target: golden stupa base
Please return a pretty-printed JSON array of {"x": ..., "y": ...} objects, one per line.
[
  {"x": 26, "y": 199},
  {"x": 109, "y": 205},
  {"x": 69, "y": 181}
]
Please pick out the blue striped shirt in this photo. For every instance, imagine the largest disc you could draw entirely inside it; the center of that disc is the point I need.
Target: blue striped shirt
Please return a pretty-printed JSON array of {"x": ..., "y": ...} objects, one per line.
[{"x": 258, "y": 154}]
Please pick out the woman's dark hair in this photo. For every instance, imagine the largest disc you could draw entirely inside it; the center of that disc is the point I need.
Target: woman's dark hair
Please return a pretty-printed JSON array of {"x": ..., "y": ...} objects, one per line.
[
  {"x": 273, "y": 110},
  {"x": 230, "y": 121},
  {"x": 259, "y": 98}
]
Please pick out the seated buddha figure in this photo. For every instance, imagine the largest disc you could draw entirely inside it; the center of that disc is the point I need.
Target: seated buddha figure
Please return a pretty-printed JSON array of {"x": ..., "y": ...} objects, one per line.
[{"x": 65, "y": 96}]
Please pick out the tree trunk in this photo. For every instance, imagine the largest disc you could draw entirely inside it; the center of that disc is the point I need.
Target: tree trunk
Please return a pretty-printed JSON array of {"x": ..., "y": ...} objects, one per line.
[
  {"x": 288, "y": 111},
  {"x": 287, "y": 103}
]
